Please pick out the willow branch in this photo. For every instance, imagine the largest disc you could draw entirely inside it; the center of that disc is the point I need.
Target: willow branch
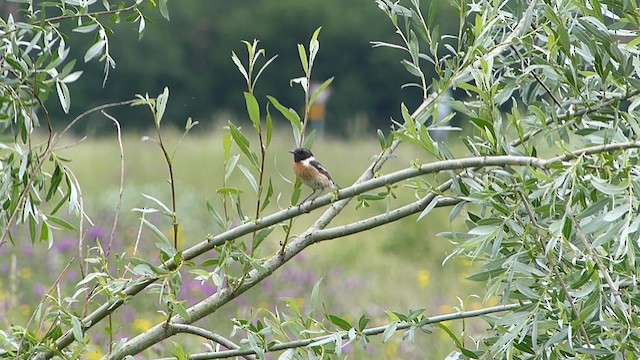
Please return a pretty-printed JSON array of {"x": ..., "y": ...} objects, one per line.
[
  {"x": 603, "y": 269},
  {"x": 580, "y": 113},
  {"x": 121, "y": 185},
  {"x": 372, "y": 331},
  {"x": 93, "y": 14},
  {"x": 219, "y": 339}
]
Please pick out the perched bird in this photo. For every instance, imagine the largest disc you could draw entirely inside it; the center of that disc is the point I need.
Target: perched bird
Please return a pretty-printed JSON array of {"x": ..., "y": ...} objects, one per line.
[{"x": 311, "y": 172}]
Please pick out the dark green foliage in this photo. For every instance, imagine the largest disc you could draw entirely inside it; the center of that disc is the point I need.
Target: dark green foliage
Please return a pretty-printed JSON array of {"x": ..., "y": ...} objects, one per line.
[{"x": 191, "y": 54}]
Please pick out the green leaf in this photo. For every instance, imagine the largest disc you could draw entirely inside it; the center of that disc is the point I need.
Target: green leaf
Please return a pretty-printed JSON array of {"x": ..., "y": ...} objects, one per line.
[
  {"x": 319, "y": 91},
  {"x": 231, "y": 164},
  {"x": 606, "y": 188},
  {"x": 164, "y": 207},
  {"x": 61, "y": 222},
  {"x": 164, "y": 11},
  {"x": 432, "y": 205},
  {"x": 180, "y": 310},
  {"x": 289, "y": 113},
  {"x": 267, "y": 196},
  {"x": 381, "y": 139},
  {"x": 302, "y": 53},
  {"x": 56, "y": 178},
  {"x": 253, "y": 109},
  {"x": 269, "y": 127},
  {"x": 339, "y": 322},
  {"x": 161, "y": 105},
  {"x": 178, "y": 351},
  {"x": 94, "y": 50},
  {"x": 228, "y": 191},
  {"x": 249, "y": 176},
  {"x": 216, "y": 216},
  {"x": 389, "y": 331},
  {"x": 261, "y": 235},
  {"x": 315, "y": 293},
  {"x": 46, "y": 235},
  {"x": 63, "y": 96},
  {"x": 243, "y": 143},
  {"x": 450, "y": 333},
  {"x": 84, "y": 29},
  {"x": 32, "y": 228},
  {"x": 314, "y": 46},
  {"x": 164, "y": 245},
  {"x": 76, "y": 327},
  {"x": 362, "y": 323}
]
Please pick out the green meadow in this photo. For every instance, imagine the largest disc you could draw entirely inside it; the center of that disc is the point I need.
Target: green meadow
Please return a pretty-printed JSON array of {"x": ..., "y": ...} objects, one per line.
[{"x": 398, "y": 267}]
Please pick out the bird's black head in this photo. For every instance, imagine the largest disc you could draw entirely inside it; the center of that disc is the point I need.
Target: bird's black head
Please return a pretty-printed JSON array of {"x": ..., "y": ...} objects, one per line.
[{"x": 300, "y": 154}]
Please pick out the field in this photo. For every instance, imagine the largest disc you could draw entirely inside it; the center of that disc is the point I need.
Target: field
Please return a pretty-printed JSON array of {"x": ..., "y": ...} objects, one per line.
[{"x": 397, "y": 267}]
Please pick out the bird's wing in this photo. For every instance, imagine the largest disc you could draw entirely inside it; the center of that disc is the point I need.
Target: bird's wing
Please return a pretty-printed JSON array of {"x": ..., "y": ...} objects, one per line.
[{"x": 320, "y": 168}]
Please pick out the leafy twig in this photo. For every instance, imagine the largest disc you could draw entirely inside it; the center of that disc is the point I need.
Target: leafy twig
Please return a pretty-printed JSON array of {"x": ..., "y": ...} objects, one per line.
[
  {"x": 194, "y": 330},
  {"x": 366, "y": 332}
]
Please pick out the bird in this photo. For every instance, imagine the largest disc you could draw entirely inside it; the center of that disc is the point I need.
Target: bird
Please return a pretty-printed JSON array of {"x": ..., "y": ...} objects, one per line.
[{"x": 311, "y": 172}]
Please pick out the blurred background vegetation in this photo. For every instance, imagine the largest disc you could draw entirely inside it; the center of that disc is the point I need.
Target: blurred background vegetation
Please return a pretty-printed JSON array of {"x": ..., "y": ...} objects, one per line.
[{"x": 191, "y": 54}]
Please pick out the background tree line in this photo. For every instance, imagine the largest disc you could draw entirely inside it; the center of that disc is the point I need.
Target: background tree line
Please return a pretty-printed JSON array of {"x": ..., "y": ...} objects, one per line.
[{"x": 191, "y": 54}]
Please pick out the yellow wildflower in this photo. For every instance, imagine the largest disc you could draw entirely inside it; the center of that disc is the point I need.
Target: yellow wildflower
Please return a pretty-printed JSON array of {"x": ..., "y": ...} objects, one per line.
[
  {"x": 25, "y": 273},
  {"x": 94, "y": 355},
  {"x": 141, "y": 325},
  {"x": 424, "y": 276}
]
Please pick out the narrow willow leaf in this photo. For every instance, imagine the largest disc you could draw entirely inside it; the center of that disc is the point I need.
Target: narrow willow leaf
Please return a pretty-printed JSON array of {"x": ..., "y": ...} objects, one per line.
[
  {"x": 249, "y": 176},
  {"x": 94, "y": 50},
  {"x": 161, "y": 105},
  {"x": 339, "y": 322},
  {"x": 302, "y": 53},
  {"x": 389, "y": 331},
  {"x": 243, "y": 143},
  {"x": 253, "y": 109},
  {"x": 77, "y": 329},
  {"x": 164, "y": 207},
  {"x": 216, "y": 216},
  {"x": 315, "y": 293},
  {"x": 63, "y": 96},
  {"x": 231, "y": 165},
  {"x": 319, "y": 91},
  {"x": 289, "y": 113}
]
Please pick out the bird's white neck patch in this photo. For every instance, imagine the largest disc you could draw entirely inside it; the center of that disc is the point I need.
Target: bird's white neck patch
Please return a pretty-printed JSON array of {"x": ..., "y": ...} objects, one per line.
[{"x": 308, "y": 161}]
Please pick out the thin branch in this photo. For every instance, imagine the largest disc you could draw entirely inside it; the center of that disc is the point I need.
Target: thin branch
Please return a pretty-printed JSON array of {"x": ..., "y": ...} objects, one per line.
[
  {"x": 538, "y": 79},
  {"x": 367, "y": 332},
  {"x": 582, "y": 112},
  {"x": 219, "y": 339},
  {"x": 93, "y": 14},
  {"x": 603, "y": 269},
  {"x": 595, "y": 150},
  {"x": 121, "y": 187},
  {"x": 386, "y": 218},
  {"x": 554, "y": 266},
  {"x": 174, "y": 210}
]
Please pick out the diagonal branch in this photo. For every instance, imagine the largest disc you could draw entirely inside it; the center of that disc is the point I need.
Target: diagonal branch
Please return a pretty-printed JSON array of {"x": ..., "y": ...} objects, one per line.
[{"x": 367, "y": 332}]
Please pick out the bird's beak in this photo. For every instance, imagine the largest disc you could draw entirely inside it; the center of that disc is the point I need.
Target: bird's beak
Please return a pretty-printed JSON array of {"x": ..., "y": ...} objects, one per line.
[{"x": 291, "y": 151}]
